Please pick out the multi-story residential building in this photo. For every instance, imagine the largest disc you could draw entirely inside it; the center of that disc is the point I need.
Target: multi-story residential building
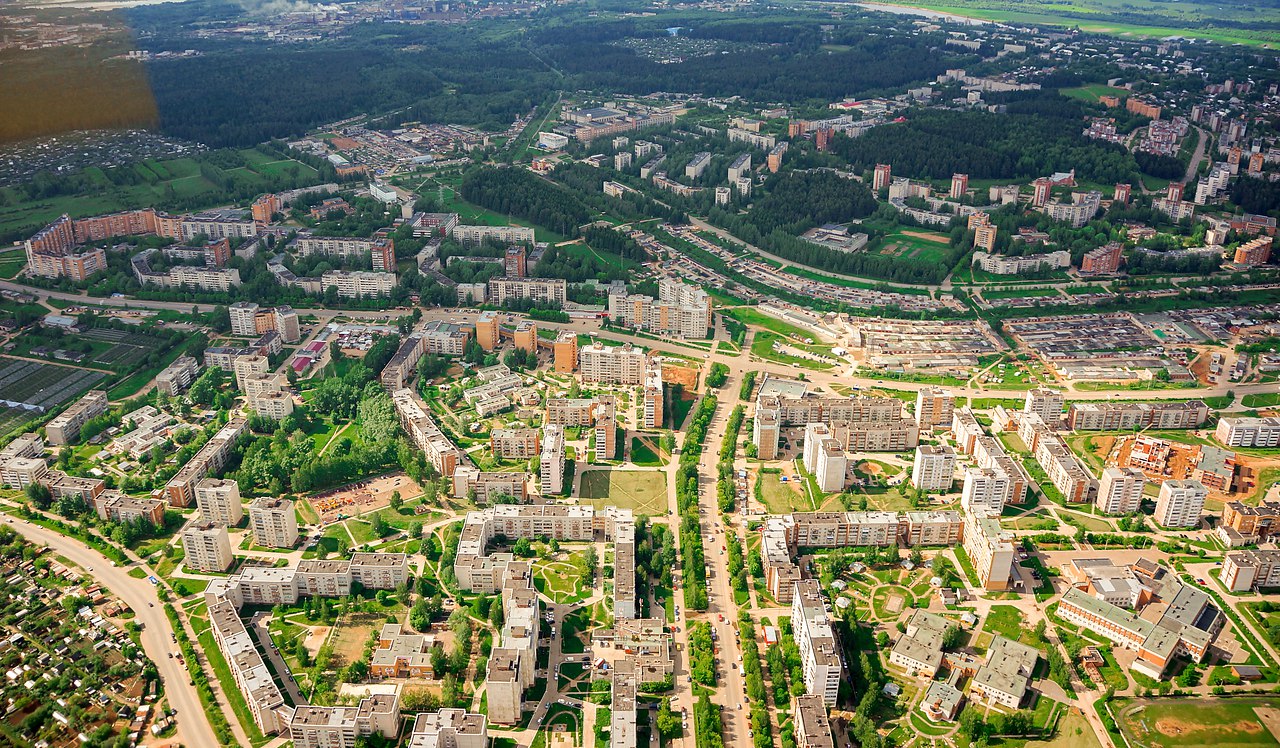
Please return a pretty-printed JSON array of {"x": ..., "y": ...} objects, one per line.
[
  {"x": 697, "y": 165},
  {"x": 680, "y": 309},
  {"x": 20, "y": 472},
  {"x": 76, "y": 263},
  {"x": 934, "y": 468},
  {"x": 114, "y": 506},
  {"x": 356, "y": 284},
  {"x": 859, "y": 423},
  {"x": 1247, "y": 432},
  {"x": 274, "y": 405},
  {"x": 545, "y": 291},
  {"x": 599, "y": 413},
  {"x": 1102, "y": 260},
  {"x": 274, "y": 522},
  {"x": 253, "y": 678},
  {"x": 488, "y": 330},
  {"x": 966, "y": 429},
  {"x": 1045, "y": 403},
  {"x": 819, "y": 655},
  {"x": 1124, "y": 416},
  {"x": 1242, "y": 524},
  {"x": 379, "y": 571},
  {"x": 65, "y": 427},
  {"x": 502, "y": 684},
  {"x": 218, "y": 225},
  {"x": 989, "y": 547},
  {"x": 882, "y": 176},
  {"x": 526, "y": 336},
  {"x": 622, "y": 715},
  {"x": 565, "y": 352},
  {"x": 180, "y": 490},
  {"x": 219, "y": 501},
  {"x": 342, "y": 726},
  {"x": 403, "y": 366},
  {"x": 824, "y": 458},
  {"x": 515, "y": 444},
  {"x": 551, "y": 460},
  {"x": 998, "y": 264},
  {"x": 1004, "y": 678},
  {"x": 1253, "y": 252},
  {"x": 465, "y": 234},
  {"x": 1243, "y": 571},
  {"x": 652, "y": 394},
  {"x": 1120, "y": 490},
  {"x": 380, "y": 249},
  {"x": 449, "y": 728},
  {"x": 986, "y": 488},
  {"x": 425, "y": 433},
  {"x": 935, "y": 407},
  {"x": 1179, "y": 503},
  {"x": 207, "y": 547},
  {"x": 489, "y": 486},
  {"x": 177, "y": 376},
  {"x": 445, "y": 338},
  {"x": 244, "y": 367},
  {"x": 1060, "y": 464},
  {"x": 622, "y": 364}
]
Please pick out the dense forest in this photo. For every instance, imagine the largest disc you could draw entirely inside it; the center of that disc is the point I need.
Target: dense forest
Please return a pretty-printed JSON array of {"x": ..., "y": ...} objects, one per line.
[
  {"x": 1255, "y": 195},
  {"x": 1038, "y": 135},
  {"x": 520, "y": 193}
]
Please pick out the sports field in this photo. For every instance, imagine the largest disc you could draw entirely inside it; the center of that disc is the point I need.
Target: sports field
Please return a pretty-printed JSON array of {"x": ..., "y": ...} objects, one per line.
[
  {"x": 642, "y": 491},
  {"x": 1093, "y": 92},
  {"x": 915, "y": 245},
  {"x": 1238, "y": 722}
]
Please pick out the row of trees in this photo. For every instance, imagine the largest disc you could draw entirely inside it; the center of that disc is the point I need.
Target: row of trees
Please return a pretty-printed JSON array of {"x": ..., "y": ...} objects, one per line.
[{"x": 694, "y": 562}]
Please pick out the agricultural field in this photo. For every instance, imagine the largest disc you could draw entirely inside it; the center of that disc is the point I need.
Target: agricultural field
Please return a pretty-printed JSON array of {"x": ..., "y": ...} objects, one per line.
[
  {"x": 641, "y": 491},
  {"x": 1243, "y": 722},
  {"x": 43, "y": 386}
]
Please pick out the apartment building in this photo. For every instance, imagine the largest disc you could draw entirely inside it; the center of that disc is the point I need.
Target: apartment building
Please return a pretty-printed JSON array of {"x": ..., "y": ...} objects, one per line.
[
  {"x": 819, "y": 654},
  {"x": 403, "y": 366},
  {"x": 253, "y": 678},
  {"x": 598, "y": 413},
  {"x": 1244, "y": 525},
  {"x": 860, "y": 424},
  {"x": 465, "y": 234},
  {"x": 65, "y": 427},
  {"x": 488, "y": 330},
  {"x": 489, "y": 486},
  {"x": 380, "y": 249},
  {"x": 541, "y": 291},
  {"x": 274, "y": 522},
  {"x": 180, "y": 490},
  {"x": 966, "y": 429},
  {"x": 988, "y": 546},
  {"x": 515, "y": 444},
  {"x": 274, "y": 405},
  {"x": 622, "y": 713},
  {"x": 244, "y": 367},
  {"x": 114, "y": 506},
  {"x": 934, "y": 468},
  {"x": 342, "y": 726},
  {"x": 358, "y": 284},
  {"x": 551, "y": 460},
  {"x": 445, "y": 338},
  {"x": 1249, "y": 432},
  {"x": 645, "y": 643},
  {"x": 178, "y": 376},
  {"x": 207, "y": 547},
  {"x": 935, "y": 407},
  {"x": 565, "y": 352},
  {"x": 824, "y": 458},
  {"x": 1120, "y": 490},
  {"x": 652, "y": 394},
  {"x": 217, "y": 225},
  {"x": 449, "y": 728},
  {"x": 425, "y": 433},
  {"x": 1045, "y": 403},
  {"x": 20, "y": 472},
  {"x": 1102, "y": 260},
  {"x": 526, "y": 336},
  {"x": 812, "y": 726},
  {"x": 986, "y": 489},
  {"x": 1180, "y": 503},
  {"x": 219, "y": 501},
  {"x": 1124, "y": 416},
  {"x": 680, "y": 310},
  {"x": 622, "y": 364},
  {"x": 1060, "y": 464},
  {"x": 502, "y": 684},
  {"x": 1243, "y": 571}
]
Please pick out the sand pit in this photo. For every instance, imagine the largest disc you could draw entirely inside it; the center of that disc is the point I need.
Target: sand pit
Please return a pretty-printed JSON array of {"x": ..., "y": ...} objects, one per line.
[{"x": 894, "y": 604}]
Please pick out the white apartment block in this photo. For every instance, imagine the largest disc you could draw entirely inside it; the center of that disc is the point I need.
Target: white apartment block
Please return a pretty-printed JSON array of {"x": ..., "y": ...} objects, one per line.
[
  {"x": 245, "y": 367},
  {"x": 65, "y": 427},
  {"x": 488, "y": 485},
  {"x": 274, "y": 522},
  {"x": 622, "y": 364},
  {"x": 274, "y": 405},
  {"x": 425, "y": 433},
  {"x": 505, "y": 234},
  {"x": 681, "y": 310},
  {"x": 652, "y": 395},
  {"x": 824, "y": 458},
  {"x": 1120, "y": 490},
  {"x": 355, "y": 284},
  {"x": 207, "y": 547},
  {"x": 1243, "y": 571},
  {"x": 219, "y": 501},
  {"x": 548, "y": 291},
  {"x": 1249, "y": 432},
  {"x": 252, "y": 677},
  {"x": 987, "y": 489},
  {"x": 935, "y": 407},
  {"x": 1123, "y": 416},
  {"x": 1180, "y": 503},
  {"x": 178, "y": 376},
  {"x": 934, "y": 468},
  {"x": 449, "y": 728},
  {"x": 989, "y": 548},
  {"x": 966, "y": 429},
  {"x": 1046, "y": 403},
  {"x": 551, "y": 461},
  {"x": 819, "y": 655}
]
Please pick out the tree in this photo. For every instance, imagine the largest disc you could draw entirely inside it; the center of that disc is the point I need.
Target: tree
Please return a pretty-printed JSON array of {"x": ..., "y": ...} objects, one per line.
[
  {"x": 523, "y": 548},
  {"x": 396, "y": 502},
  {"x": 40, "y": 495}
]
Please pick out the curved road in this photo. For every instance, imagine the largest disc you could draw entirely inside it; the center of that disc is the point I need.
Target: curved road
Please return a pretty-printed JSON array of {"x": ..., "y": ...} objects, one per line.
[{"x": 140, "y": 595}]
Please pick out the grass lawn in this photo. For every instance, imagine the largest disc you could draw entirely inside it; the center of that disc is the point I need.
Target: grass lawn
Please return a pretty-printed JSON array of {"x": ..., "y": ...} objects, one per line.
[
  {"x": 762, "y": 346},
  {"x": 1073, "y": 732},
  {"x": 12, "y": 262},
  {"x": 1093, "y": 92},
  {"x": 643, "y": 452},
  {"x": 782, "y": 498},
  {"x": 1226, "y": 723},
  {"x": 920, "y": 246},
  {"x": 757, "y": 318},
  {"x": 642, "y": 491},
  {"x": 1006, "y": 621},
  {"x": 1261, "y": 400},
  {"x": 561, "y": 580}
]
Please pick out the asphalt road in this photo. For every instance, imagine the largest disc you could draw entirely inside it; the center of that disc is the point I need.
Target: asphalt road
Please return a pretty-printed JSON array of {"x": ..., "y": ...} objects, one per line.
[{"x": 140, "y": 595}]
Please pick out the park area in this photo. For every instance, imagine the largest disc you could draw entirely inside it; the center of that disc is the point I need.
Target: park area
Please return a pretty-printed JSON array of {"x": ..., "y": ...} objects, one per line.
[
  {"x": 641, "y": 491},
  {"x": 1237, "y": 722},
  {"x": 563, "y": 578},
  {"x": 365, "y": 496}
]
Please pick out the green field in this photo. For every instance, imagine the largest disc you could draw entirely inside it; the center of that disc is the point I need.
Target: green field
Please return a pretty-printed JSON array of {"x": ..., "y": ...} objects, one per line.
[
  {"x": 642, "y": 491},
  {"x": 904, "y": 247},
  {"x": 783, "y": 498},
  {"x": 757, "y": 318},
  {"x": 1020, "y": 293},
  {"x": 1093, "y": 92},
  {"x": 159, "y": 182},
  {"x": 561, "y": 580},
  {"x": 1171, "y": 723}
]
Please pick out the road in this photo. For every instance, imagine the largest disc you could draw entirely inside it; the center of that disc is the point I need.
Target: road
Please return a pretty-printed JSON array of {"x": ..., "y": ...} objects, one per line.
[
  {"x": 140, "y": 595},
  {"x": 1193, "y": 166}
]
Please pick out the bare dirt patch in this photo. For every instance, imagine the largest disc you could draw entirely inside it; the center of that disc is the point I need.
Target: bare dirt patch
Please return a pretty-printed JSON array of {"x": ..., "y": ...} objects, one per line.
[
  {"x": 929, "y": 237},
  {"x": 1173, "y": 727},
  {"x": 360, "y": 498}
]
